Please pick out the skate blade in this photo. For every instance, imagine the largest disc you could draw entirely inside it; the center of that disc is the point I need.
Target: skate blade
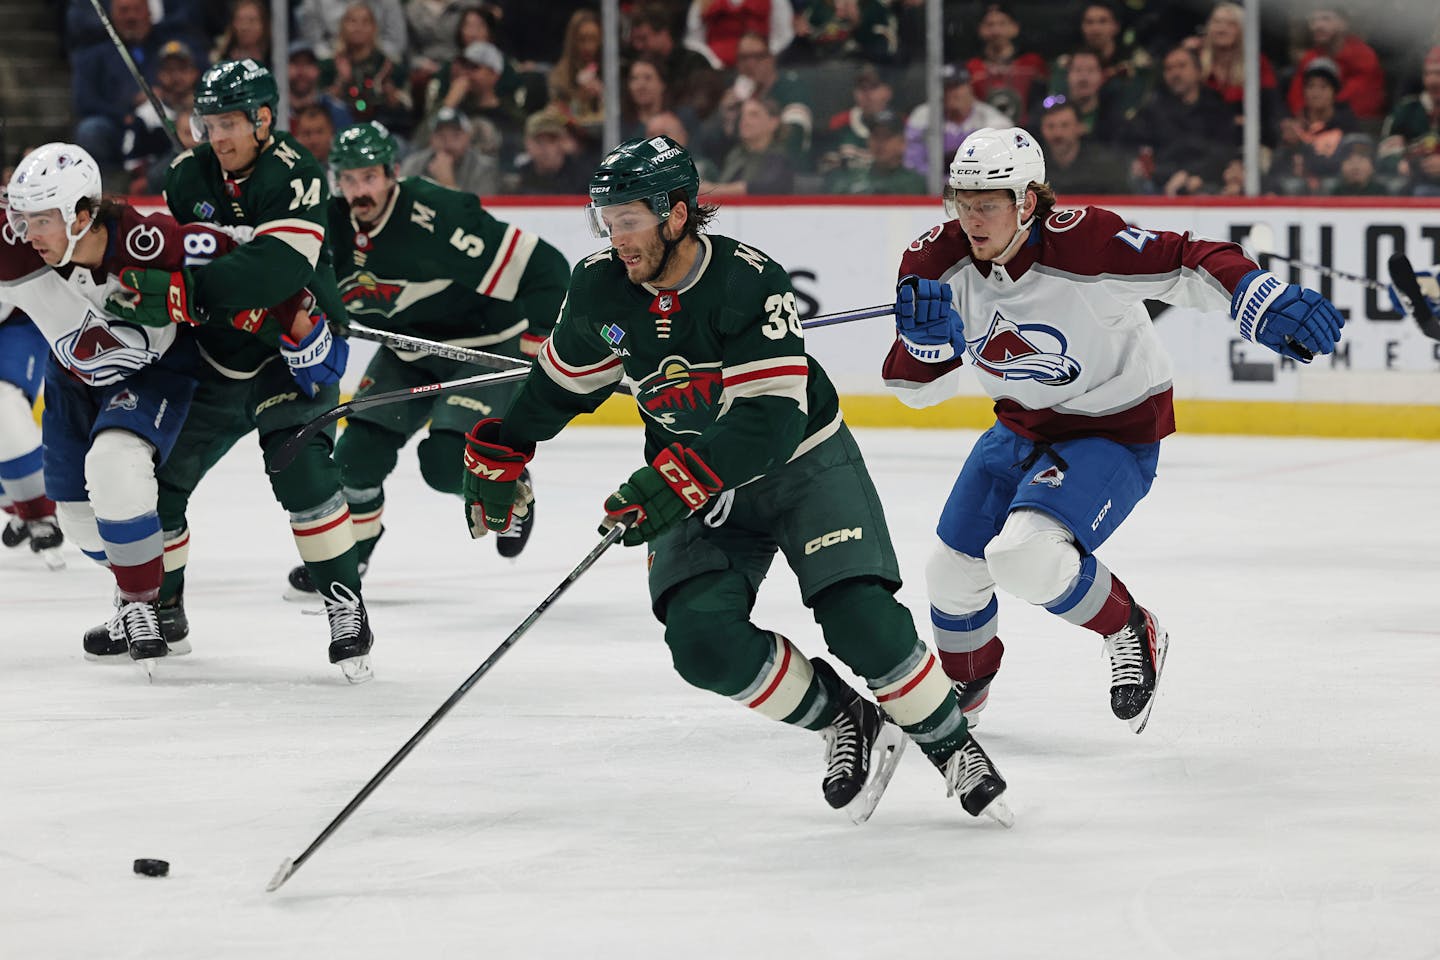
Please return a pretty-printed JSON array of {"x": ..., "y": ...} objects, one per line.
[
  {"x": 147, "y": 665},
  {"x": 884, "y": 759},
  {"x": 112, "y": 659},
  {"x": 1162, "y": 646},
  {"x": 53, "y": 558},
  {"x": 999, "y": 811},
  {"x": 357, "y": 669},
  {"x": 179, "y": 648}
]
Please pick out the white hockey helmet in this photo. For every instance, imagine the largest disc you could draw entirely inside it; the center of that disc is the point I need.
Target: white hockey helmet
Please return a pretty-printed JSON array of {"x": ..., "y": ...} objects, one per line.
[
  {"x": 56, "y": 176},
  {"x": 995, "y": 159}
]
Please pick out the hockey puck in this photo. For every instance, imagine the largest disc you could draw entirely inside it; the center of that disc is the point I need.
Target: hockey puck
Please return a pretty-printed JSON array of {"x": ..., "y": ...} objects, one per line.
[{"x": 152, "y": 868}]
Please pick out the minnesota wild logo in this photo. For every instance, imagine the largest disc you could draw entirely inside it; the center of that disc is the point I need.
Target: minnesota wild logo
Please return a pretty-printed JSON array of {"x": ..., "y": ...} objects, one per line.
[
  {"x": 366, "y": 293},
  {"x": 680, "y": 396}
]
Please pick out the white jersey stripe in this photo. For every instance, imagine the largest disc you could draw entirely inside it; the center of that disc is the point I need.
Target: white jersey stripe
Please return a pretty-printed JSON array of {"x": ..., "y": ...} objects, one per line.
[{"x": 502, "y": 280}]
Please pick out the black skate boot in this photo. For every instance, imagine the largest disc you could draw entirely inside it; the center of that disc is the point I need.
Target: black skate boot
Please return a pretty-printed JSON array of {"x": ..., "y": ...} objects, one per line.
[
  {"x": 174, "y": 625},
  {"x": 133, "y": 633},
  {"x": 512, "y": 541},
  {"x": 350, "y": 636},
  {"x": 973, "y": 695},
  {"x": 1137, "y": 655},
  {"x": 15, "y": 533},
  {"x": 862, "y": 749},
  {"x": 971, "y": 775},
  {"x": 45, "y": 541}
]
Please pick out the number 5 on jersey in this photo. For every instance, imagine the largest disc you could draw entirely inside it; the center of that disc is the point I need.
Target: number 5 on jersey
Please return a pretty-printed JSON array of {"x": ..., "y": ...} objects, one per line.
[{"x": 784, "y": 316}]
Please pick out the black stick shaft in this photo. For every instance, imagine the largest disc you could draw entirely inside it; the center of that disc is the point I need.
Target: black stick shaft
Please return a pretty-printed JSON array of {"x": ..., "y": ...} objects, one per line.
[
  {"x": 139, "y": 78},
  {"x": 290, "y": 449},
  {"x": 1403, "y": 275},
  {"x": 610, "y": 538}
]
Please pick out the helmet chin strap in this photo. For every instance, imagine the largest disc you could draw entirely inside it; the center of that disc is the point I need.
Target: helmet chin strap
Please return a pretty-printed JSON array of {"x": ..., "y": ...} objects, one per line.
[
  {"x": 72, "y": 239},
  {"x": 1022, "y": 230},
  {"x": 670, "y": 246}
]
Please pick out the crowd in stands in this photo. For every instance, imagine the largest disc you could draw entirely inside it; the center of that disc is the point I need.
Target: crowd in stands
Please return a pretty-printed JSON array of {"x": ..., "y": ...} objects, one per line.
[{"x": 801, "y": 96}]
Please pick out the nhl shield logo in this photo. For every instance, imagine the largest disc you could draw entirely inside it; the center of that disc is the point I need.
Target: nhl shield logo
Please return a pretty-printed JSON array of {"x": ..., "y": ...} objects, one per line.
[{"x": 666, "y": 302}]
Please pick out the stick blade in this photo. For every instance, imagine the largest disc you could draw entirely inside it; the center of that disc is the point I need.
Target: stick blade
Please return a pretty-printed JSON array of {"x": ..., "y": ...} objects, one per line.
[
  {"x": 1402, "y": 274},
  {"x": 281, "y": 875}
]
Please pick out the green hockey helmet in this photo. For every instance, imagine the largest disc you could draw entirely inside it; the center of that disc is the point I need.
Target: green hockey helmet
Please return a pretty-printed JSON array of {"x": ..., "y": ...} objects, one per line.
[
  {"x": 646, "y": 168},
  {"x": 242, "y": 85},
  {"x": 363, "y": 145}
]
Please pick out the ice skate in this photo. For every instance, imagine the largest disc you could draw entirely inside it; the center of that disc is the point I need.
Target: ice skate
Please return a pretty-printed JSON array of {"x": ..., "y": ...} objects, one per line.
[
  {"x": 973, "y": 695},
  {"x": 15, "y": 532},
  {"x": 45, "y": 541},
  {"x": 510, "y": 543},
  {"x": 174, "y": 625},
  {"x": 970, "y": 774},
  {"x": 102, "y": 644},
  {"x": 862, "y": 750},
  {"x": 1137, "y": 655},
  {"x": 133, "y": 634},
  {"x": 350, "y": 636}
]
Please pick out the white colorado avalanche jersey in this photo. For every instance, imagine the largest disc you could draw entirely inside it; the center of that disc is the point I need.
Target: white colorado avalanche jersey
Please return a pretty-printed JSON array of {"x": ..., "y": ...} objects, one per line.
[{"x": 1060, "y": 336}]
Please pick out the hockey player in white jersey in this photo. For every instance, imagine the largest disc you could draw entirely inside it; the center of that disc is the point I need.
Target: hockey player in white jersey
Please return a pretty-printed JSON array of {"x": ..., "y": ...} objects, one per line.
[
  {"x": 116, "y": 392},
  {"x": 22, "y": 482},
  {"x": 1047, "y": 305}
]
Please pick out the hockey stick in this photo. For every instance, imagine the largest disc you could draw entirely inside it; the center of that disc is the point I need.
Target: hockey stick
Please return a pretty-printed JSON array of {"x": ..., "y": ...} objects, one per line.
[
  {"x": 449, "y": 351},
  {"x": 289, "y": 866},
  {"x": 1261, "y": 240},
  {"x": 1402, "y": 274},
  {"x": 139, "y": 78},
  {"x": 290, "y": 449},
  {"x": 864, "y": 313}
]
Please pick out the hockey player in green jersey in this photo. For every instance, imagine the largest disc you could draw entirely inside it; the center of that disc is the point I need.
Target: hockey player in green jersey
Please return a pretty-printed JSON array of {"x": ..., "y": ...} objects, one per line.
[
  {"x": 262, "y": 374},
  {"x": 417, "y": 258},
  {"x": 747, "y": 453}
]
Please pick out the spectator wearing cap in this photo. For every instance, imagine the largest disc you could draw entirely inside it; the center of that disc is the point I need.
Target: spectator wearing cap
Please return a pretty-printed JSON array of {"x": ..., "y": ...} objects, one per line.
[
  {"x": 1001, "y": 75},
  {"x": 474, "y": 92},
  {"x": 1183, "y": 131},
  {"x": 1222, "y": 66},
  {"x": 886, "y": 172},
  {"x": 103, "y": 92},
  {"x": 839, "y": 29},
  {"x": 758, "y": 163},
  {"x": 302, "y": 73},
  {"x": 320, "y": 23},
  {"x": 1357, "y": 168},
  {"x": 717, "y": 26},
  {"x": 1362, "y": 80},
  {"x": 1410, "y": 139},
  {"x": 847, "y": 141},
  {"x": 146, "y": 140},
  {"x": 694, "y": 80},
  {"x": 247, "y": 35},
  {"x": 361, "y": 75},
  {"x": 963, "y": 116},
  {"x": 551, "y": 162},
  {"x": 315, "y": 129},
  {"x": 451, "y": 160},
  {"x": 1310, "y": 140},
  {"x": 1075, "y": 163}
]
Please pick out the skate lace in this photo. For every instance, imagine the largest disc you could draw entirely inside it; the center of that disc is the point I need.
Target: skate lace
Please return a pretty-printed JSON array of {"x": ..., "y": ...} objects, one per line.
[
  {"x": 842, "y": 747},
  {"x": 516, "y": 528},
  {"x": 1126, "y": 650},
  {"x": 135, "y": 621},
  {"x": 965, "y": 770},
  {"x": 346, "y": 614}
]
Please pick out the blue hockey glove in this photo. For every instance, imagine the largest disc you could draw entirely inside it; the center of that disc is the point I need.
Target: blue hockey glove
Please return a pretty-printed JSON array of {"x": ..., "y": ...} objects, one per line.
[
  {"x": 1429, "y": 289},
  {"x": 926, "y": 320},
  {"x": 1285, "y": 317},
  {"x": 318, "y": 359}
]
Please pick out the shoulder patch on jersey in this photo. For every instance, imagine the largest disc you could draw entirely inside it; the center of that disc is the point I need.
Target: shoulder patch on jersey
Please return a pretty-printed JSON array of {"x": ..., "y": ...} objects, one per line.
[
  {"x": 1066, "y": 219},
  {"x": 929, "y": 236},
  {"x": 145, "y": 241}
]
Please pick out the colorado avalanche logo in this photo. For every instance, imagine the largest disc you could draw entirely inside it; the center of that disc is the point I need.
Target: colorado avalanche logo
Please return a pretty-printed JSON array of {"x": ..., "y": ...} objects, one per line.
[
  {"x": 1033, "y": 351},
  {"x": 1050, "y": 477},
  {"x": 681, "y": 397},
  {"x": 101, "y": 351},
  {"x": 124, "y": 400}
]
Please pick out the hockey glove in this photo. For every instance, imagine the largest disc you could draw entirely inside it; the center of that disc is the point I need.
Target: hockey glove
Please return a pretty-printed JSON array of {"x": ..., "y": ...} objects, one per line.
[
  {"x": 926, "y": 320},
  {"x": 1283, "y": 316},
  {"x": 655, "y": 498},
  {"x": 494, "y": 492},
  {"x": 1429, "y": 289},
  {"x": 153, "y": 298},
  {"x": 317, "y": 359}
]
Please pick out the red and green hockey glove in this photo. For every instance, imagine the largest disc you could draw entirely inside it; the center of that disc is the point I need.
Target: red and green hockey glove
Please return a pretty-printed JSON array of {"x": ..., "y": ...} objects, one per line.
[
  {"x": 494, "y": 491},
  {"x": 153, "y": 298},
  {"x": 655, "y": 498}
]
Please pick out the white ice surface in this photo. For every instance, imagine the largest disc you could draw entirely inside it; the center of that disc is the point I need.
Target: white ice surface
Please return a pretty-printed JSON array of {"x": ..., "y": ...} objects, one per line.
[{"x": 584, "y": 802}]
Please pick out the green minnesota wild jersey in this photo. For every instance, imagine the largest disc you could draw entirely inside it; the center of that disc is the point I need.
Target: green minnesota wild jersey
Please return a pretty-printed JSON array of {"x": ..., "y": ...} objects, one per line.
[
  {"x": 436, "y": 265},
  {"x": 719, "y": 364},
  {"x": 283, "y": 202}
]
